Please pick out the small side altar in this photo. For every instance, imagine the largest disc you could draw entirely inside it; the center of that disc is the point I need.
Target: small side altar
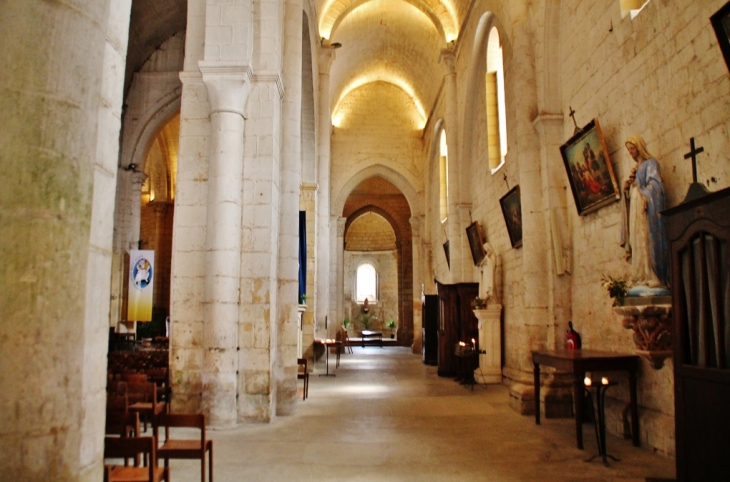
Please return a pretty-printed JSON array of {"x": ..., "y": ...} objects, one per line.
[
  {"x": 490, "y": 344},
  {"x": 650, "y": 318}
]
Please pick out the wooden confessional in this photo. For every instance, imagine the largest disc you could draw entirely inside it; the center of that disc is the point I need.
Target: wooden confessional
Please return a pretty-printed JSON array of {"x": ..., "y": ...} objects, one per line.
[
  {"x": 699, "y": 235},
  {"x": 456, "y": 323}
]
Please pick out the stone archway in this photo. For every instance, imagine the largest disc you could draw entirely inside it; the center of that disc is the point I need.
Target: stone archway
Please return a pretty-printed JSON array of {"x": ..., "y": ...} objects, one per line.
[{"x": 379, "y": 196}]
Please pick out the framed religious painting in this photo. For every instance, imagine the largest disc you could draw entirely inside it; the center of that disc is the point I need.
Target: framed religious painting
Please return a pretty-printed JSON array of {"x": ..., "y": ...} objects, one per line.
[
  {"x": 476, "y": 241},
  {"x": 512, "y": 211},
  {"x": 721, "y": 23},
  {"x": 589, "y": 169}
]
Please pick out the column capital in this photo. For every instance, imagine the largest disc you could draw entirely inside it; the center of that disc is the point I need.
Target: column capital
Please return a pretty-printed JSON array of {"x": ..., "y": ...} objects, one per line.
[
  {"x": 326, "y": 56},
  {"x": 543, "y": 122},
  {"x": 341, "y": 223},
  {"x": 447, "y": 59},
  {"x": 138, "y": 178},
  {"x": 228, "y": 85}
]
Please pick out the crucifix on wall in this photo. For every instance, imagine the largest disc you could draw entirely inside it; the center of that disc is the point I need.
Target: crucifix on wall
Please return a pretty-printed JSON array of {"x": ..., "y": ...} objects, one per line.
[{"x": 696, "y": 190}]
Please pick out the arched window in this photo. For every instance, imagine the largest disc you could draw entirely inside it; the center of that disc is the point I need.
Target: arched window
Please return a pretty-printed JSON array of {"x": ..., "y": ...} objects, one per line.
[
  {"x": 443, "y": 178},
  {"x": 496, "y": 117},
  {"x": 366, "y": 283}
]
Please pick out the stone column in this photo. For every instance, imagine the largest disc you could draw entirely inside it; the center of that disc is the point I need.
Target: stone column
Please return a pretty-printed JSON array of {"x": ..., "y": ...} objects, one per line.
[
  {"x": 490, "y": 341},
  {"x": 322, "y": 301},
  {"x": 550, "y": 129},
  {"x": 135, "y": 213},
  {"x": 227, "y": 94},
  {"x": 288, "y": 239},
  {"x": 340, "y": 281},
  {"x": 160, "y": 292},
  {"x": 417, "y": 281},
  {"x": 63, "y": 92},
  {"x": 447, "y": 59}
]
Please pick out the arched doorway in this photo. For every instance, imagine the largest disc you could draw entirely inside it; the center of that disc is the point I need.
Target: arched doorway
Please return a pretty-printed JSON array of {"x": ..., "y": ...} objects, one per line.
[{"x": 378, "y": 232}]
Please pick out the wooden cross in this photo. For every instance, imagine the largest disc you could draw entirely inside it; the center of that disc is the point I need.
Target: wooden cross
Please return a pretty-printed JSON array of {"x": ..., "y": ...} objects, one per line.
[
  {"x": 693, "y": 154},
  {"x": 572, "y": 115}
]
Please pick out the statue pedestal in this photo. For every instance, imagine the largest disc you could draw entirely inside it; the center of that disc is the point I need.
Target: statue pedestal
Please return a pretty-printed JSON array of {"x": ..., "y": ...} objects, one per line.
[
  {"x": 490, "y": 340},
  {"x": 651, "y": 321}
]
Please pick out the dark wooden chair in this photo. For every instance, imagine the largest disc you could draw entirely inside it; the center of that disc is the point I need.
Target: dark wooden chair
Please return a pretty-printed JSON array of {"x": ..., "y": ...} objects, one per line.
[
  {"x": 173, "y": 448},
  {"x": 345, "y": 338},
  {"x": 143, "y": 399},
  {"x": 133, "y": 448},
  {"x": 303, "y": 374},
  {"x": 123, "y": 424}
]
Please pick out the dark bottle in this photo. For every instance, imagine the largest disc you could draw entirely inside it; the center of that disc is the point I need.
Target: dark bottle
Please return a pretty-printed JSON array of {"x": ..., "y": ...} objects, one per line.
[{"x": 573, "y": 338}]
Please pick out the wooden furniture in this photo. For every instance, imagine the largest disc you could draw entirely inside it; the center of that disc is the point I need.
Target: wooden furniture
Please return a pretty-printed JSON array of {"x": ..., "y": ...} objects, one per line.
[
  {"x": 327, "y": 344},
  {"x": 144, "y": 400},
  {"x": 303, "y": 374},
  {"x": 123, "y": 424},
  {"x": 699, "y": 237},
  {"x": 578, "y": 362},
  {"x": 345, "y": 338},
  {"x": 371, "y": 335},
  {"x": 173, "y": 448},
  {"x": 133, "y": 448},
  {"x": 456, "y": 322},
  {"x": 430, "y": 344}
]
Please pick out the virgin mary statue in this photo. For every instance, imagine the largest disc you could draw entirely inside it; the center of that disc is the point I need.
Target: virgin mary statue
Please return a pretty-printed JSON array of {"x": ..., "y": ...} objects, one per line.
[{"x": 644, "y": 233}]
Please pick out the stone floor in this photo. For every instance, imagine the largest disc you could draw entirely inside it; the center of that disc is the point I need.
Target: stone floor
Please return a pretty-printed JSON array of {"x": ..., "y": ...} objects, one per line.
[{"x": 388, "y": 417}]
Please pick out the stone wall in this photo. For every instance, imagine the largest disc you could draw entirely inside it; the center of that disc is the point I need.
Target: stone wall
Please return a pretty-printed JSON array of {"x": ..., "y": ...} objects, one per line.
[{"x": 660, "y": 75}]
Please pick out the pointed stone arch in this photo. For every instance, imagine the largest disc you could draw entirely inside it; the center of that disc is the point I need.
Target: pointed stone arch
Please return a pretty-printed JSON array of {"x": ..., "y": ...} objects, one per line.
[{"x": 389, "y": 174}]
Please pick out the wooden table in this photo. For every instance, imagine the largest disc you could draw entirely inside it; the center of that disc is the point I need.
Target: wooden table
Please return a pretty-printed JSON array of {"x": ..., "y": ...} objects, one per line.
[
  {"x": 327, "y": 343},
  {"x": 579, "y": 362}
]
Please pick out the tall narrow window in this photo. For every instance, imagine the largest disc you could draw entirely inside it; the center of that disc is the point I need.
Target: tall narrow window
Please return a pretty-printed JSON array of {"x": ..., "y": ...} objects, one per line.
[
  {"x": 367, "y": 283},
  {"x": 496, "y": 117},
  {"x": 443, "y": 178}
]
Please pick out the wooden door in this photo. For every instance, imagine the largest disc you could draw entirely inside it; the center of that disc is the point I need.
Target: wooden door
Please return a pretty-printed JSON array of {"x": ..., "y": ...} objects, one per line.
[{"x": 699, "y": 233}]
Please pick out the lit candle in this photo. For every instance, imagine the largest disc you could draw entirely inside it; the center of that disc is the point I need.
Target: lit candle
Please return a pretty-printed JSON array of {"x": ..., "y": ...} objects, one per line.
[
  {"x": 588, "y": 382},
  {"x": 461, "y": 343},
  {"x": 473, "y": 343},
  {"x": 604, "y": 381}
]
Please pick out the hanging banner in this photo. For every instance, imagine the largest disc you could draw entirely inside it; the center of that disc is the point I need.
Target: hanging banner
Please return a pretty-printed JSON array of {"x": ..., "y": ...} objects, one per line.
[{"x": 141, "y": 282}]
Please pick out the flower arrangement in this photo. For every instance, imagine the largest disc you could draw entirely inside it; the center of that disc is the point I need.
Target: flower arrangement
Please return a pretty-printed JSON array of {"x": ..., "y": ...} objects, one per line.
[
  {"x": 616, "y": 287},
  {"x": 479, "y": 303}
]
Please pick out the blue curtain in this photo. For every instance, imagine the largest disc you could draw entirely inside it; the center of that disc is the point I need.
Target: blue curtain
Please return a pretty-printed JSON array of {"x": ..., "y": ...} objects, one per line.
[{"x": 302, "y": 255}]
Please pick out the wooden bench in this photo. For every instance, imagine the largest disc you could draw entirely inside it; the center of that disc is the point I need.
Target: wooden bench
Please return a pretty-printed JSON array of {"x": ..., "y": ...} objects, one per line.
[{"x": 370, "y": 335}]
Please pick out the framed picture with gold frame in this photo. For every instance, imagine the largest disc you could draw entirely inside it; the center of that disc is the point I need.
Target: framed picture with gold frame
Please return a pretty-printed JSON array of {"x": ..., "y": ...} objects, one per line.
[
  {"x": 476, "y": 241},
  {"x": 512, "y": 211},
  {"x": 589, "y": 169}
]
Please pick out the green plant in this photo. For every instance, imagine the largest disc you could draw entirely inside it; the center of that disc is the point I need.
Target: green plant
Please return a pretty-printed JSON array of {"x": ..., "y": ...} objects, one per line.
[
  {"x": 479, "y": 303},
  {"x": 390, "y": 324},
  {"x": 346, "y": 323},
  {"x": 366, "y": 319},
  {"x": 616, "y": 287},
  {"x": 303, "y": 297}
]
